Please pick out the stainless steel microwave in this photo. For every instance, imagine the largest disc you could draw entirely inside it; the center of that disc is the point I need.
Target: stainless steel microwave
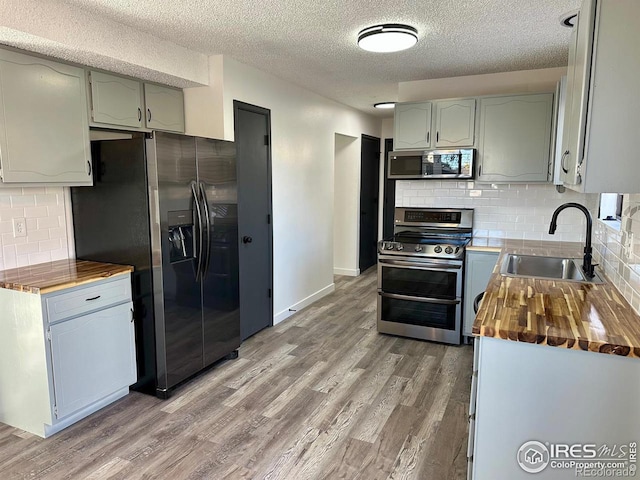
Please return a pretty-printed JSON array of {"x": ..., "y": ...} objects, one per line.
[{"x": 436, "y": 164}]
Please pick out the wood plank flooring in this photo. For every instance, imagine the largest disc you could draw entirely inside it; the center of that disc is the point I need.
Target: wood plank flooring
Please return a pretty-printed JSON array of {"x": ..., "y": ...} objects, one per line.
[{"x": 322, "y": 395}]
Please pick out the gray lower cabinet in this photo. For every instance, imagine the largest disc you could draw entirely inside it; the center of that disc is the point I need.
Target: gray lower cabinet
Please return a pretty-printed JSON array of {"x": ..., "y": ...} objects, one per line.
[
  {"x": 514, "y": 143},
  {"x": 65, "y": 354},
  {"x": 115, "y": 101},
  {"x": 478, "y": 269},
  {"x": 164, "y": 108},
  {"x": 44, "y": 126}
]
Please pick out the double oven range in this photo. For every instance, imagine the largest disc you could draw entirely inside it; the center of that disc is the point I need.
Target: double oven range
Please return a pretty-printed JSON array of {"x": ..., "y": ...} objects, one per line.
[{"x": 420, "y": 274}]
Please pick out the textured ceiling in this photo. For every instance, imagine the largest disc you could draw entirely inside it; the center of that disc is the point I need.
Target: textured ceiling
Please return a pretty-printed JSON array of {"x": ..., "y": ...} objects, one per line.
[{"x": 313, "y": 43}]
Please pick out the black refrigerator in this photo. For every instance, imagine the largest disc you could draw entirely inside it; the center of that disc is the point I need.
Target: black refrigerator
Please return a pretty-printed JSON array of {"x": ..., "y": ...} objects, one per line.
[{"x": 167, "y": 204}]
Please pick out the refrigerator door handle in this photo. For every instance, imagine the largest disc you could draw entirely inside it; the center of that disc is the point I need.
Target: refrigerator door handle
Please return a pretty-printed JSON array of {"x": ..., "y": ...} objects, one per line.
[
  {"x": 196, "y": 201},
  {"x": 207, "y": 215}
]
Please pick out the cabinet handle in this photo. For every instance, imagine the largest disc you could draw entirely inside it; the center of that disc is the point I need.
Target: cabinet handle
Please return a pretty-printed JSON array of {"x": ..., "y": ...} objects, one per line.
[
  {"x": 89, "y": 168},
  {"x": 139, "y": 114},
  {"x": 428, "y": 136},
  {"x": 132, "y": 315},
  {"x": 148, "y": 114},
  {"x": 437, "y": 136},
  {"x": 566, "y": 152},
  {"x": 480, "y": 170},
  {"x": 92, "y": 298}
]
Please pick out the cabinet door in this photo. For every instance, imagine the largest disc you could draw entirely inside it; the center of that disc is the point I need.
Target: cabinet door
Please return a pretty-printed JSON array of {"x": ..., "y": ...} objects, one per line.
[
  {"x": 412, "y": 126},
  {"x": 165, "y": 108},
  {"x": 455, "y": 123},
  {"x": 92, "y": 356},
  {"x": 115, "y": 100},
  {"x": 479, "y": 267},
  {"x": 44, "y": 126},
  {"x": 578, "y": 76},
  {"x": 515, "y": 138}
]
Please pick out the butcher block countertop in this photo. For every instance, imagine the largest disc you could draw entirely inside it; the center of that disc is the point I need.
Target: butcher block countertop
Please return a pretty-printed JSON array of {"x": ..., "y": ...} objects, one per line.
[
  {"x": 52, "y": 276},
  {"x": 579, "y": 316}
]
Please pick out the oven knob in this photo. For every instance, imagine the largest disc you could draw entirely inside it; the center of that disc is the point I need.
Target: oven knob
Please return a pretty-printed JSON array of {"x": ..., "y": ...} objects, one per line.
[
  {"x": 418, "y": 248},
  {"x": 448, "y": 250},
  {"x": 388, "y": 246},
  {"x": 399, "y": 247},
  {"x": 437, "y": 249}
]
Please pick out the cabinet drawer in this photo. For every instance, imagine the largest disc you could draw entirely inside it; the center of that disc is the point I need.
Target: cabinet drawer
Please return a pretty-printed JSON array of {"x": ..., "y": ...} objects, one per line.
[{"x": 87, "y": 299}]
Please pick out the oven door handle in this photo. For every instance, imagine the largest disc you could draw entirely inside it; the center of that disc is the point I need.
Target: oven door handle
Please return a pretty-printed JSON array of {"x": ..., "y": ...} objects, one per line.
[
  {"x": 420, "y": 266},
  {"x": 419, "y": 299}
]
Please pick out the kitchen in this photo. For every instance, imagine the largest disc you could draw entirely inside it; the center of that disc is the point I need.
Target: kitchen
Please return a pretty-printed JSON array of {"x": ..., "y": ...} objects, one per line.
[{"x": 304, "y": 128}]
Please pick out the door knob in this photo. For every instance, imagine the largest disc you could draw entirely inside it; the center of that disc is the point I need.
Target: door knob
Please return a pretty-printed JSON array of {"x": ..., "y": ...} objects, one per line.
[{"x": 247, "y": 239}]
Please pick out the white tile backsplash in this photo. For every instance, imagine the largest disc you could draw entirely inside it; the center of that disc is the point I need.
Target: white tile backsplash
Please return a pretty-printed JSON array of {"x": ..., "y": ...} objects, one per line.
[
  {"x": 503, "y": 210},
  {"x": 617, "y": 250},
  {"x": 45, "y": 212}
]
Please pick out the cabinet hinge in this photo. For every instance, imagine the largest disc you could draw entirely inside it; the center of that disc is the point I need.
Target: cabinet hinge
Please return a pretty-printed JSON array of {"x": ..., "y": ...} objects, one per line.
[
  {"x": 1, "y": 174},
  {"x": 55, "y": 410},
  {"x": 49, "y": 335}
]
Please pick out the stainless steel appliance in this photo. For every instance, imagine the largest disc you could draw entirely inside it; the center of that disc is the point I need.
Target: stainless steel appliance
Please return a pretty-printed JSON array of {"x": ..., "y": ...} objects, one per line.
[
  {"x": 420, "y": 274},
  {"x": 167, "y": 204},
  {"x": 432, "y": 164}
]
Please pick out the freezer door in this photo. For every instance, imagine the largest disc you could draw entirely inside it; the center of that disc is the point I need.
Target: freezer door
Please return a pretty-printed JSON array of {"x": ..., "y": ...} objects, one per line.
[
  {"x": 220, "y": 286},
  {"x": 176, "y": 241}
]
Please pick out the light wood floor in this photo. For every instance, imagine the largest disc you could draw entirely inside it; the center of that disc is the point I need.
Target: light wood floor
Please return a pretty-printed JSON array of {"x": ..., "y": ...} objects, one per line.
[{"x": 320, "y": 396}]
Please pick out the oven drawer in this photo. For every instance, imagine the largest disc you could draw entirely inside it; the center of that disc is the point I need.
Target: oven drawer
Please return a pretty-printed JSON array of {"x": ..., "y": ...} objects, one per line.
[{"x": 425, "y": 312}]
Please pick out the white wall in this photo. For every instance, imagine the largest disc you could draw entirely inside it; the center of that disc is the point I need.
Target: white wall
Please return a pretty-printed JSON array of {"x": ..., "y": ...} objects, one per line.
[
  {"x": 46, "y": 217},
  {"x": 303, "y": 127},
  {"x": 346, "y": 205},
  {"x": 524, "y": 81}
]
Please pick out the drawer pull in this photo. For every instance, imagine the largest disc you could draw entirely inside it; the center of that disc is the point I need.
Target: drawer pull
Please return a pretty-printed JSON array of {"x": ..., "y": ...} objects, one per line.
[{"x": 92, "y": 298}]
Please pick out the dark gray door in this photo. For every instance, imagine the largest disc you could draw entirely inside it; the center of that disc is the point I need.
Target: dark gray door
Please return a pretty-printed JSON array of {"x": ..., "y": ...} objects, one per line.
[
  {"x": 369, "y": 187},
  {"x": 389, "y": 205},
  {"x": 252, "y": 138}
]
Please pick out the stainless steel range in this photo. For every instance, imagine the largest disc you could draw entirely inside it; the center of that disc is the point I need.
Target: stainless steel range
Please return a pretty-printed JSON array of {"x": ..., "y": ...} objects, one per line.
[{"x": 420, "y": 273}]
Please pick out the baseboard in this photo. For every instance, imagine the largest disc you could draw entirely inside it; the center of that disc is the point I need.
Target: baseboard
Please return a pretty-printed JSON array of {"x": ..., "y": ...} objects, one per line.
[
  {"x": 346, "y": 271},
  {"x": 305, "y": 302}
]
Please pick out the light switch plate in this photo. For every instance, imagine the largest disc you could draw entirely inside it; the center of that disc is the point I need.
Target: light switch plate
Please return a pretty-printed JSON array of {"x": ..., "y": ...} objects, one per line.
[{"x": 19, "y": 227}]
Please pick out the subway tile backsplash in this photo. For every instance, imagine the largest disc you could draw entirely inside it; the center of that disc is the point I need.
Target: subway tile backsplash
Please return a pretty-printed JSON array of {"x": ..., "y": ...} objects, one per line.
[
  {"x": 44, "y": 212},
  {"x": 521, "y": 211},
  {"x": 617, "y": 250}
]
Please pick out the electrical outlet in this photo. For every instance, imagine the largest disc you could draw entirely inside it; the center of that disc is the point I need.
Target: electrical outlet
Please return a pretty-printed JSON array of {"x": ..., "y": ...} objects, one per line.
[{"x": 19, "y": 227}]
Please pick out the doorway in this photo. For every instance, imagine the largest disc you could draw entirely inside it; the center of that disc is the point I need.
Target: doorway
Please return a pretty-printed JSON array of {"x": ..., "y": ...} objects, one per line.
[
  {"x": 255, "y": 233},
  {"x": 369, "y": 191}
]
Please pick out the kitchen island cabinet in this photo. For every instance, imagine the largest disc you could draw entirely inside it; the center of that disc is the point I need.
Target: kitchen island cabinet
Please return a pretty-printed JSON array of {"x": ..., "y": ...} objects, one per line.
[
  {"x": 556, "y": 363},
  {"x": 66, "y": 342}
]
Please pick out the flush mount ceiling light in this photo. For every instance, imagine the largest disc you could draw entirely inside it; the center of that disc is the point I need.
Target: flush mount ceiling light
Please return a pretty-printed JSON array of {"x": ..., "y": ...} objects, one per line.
[
  {"x": 389, "y": 37},
  {"x": 385, "y": 105}
]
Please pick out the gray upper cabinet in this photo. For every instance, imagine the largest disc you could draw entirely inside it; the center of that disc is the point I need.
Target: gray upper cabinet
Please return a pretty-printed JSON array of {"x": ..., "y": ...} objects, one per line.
[
  {"x": 514, "y": 138},
  {"x": 603, "y": 100},
  {"x": 44, "y": 126},
  {"x": 164, "y": 108},
  {"x": 115, "y": 101},
  {"x": 412, "y": 126},
  {"x": 455, "y": 123}
]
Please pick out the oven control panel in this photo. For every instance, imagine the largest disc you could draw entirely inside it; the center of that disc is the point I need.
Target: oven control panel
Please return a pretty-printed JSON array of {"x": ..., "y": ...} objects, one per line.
[{"x": 420, "y": 250}]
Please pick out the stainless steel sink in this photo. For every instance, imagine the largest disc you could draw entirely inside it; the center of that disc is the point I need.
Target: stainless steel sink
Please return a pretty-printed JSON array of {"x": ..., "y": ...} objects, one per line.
[{"x": 557, "y": 268}]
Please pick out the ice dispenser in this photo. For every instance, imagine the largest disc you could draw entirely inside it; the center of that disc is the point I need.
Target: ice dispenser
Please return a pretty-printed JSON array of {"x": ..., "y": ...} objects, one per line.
[{"x": 180, "y": 235}]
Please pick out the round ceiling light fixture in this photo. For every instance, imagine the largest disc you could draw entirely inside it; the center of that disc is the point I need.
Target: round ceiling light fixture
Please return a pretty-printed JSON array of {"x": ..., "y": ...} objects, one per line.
[
  {"x": 385, "y": 105},
  {"x": 389, "y": 37}
]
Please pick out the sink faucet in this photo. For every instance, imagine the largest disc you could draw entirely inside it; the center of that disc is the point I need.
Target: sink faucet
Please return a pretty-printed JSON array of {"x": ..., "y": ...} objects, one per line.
[{"x": 587, "y": 266}]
